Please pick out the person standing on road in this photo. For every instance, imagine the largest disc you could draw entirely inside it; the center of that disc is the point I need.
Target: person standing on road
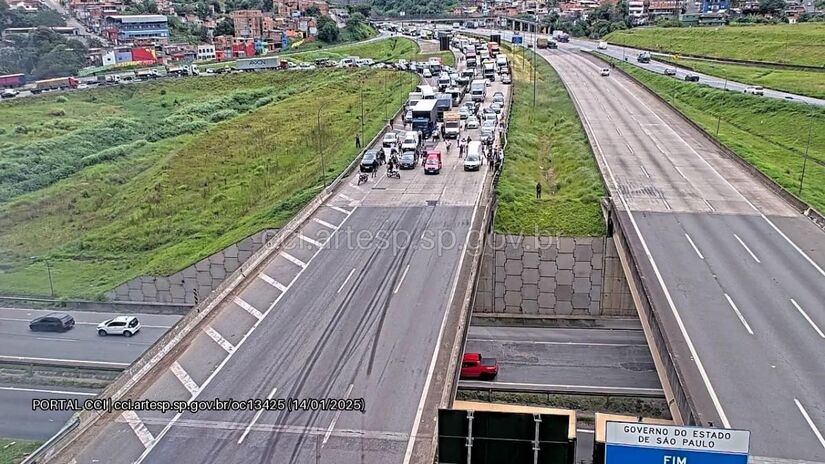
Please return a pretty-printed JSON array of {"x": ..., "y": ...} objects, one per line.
[{"x": 538, "y": 190}]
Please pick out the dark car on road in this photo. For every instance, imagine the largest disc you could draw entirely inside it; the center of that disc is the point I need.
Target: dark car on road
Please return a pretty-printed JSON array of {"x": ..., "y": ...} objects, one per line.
[
  {"x": 54, "y": 322},
  {"x": 691, "y": 78},
  {"x": 370, "y": 161},
  {"x": 408, "y": 160}
]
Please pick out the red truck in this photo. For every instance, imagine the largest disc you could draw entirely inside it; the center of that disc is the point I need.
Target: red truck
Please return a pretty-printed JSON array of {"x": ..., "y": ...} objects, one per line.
[
  {"x": 432, "y": 165},
  {"x": 474, "y": 366}
]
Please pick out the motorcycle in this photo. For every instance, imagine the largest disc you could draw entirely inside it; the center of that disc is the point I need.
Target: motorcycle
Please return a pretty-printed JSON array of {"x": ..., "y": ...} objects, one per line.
[
  {"x": 393, "y": 173},
  {"x": 363, "y": 177}
]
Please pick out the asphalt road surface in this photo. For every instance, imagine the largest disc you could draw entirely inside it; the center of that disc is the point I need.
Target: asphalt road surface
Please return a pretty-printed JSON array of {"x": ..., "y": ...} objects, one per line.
[
  {"x": 351, "y": 308},
  {"x": 735, "y": 273},
  {"x": 620, "y": 53},
  {"x": 574, "y": 359},
  {"x": 80, "y": 346},
  {"x": 19, "y": 422}
]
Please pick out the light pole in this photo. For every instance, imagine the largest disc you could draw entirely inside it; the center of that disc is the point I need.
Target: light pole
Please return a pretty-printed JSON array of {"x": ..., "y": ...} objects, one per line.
[
  {"x": 807, "y": 146},
  {"x": 362, "y": 111},
  {"x": 321, "y": 152},
  {"x": 48, "y": 270}
]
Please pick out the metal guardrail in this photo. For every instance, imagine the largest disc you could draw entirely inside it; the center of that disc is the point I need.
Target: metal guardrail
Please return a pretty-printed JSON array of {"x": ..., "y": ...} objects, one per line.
[{"x": 493, "y": 387}]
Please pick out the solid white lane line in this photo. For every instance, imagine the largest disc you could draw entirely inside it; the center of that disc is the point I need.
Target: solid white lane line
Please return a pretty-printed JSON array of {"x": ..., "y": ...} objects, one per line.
[
  {"x": 346, "y": 280},
  {"x": 739, "y": 314},
  {"x": 218, "y": 338},
  {"x": 695, "y": 248},
  {"x": 220, "y": 367},
  {"x": 324, "y": 223},
  {"x": 184, "y": 377},
  {"x": 434, "y": 359},
  {"x": 72, "y": 361},
  {"x": 340, "y": 210},
  {"x": 807, "y": 318},
  {"x": 310, "y": 240},
  {"x": 401, "y": 281},
  {"x": 746, "y": 248},
  {"x": 293, "y": 259},
  {"x": 55, "y": 392},
  {"x": 335, "y": 419},
  {"x": 248, "y": 308},
  {"x": 810, "y": 422},
  {"x": 255, "y": 418},
  {"x": 56, "y": 339},
  {"x": 272, "y": 282},
  {"x": 137, "y": 425},
  {"x": 682, "y": 329},
  {"x": 553, "y": 385}
]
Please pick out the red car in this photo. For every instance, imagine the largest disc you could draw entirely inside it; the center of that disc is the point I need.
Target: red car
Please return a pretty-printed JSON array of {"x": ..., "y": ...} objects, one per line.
[
  {"x": 432, "y": 165},
  {"x": 474, "y": 366}
]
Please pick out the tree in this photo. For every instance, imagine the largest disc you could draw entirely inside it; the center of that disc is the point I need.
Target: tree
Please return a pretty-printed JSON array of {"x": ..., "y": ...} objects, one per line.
[
  {"x": 313, "y": 11},
  {"x": 224, "y": 27},
  {"x": 355, "y": 21},
  {"x": 771, "y": 6},
  {"x": 267, "y": 5},
  {"x": 327, "y": 29},
  {"x": 365, "y": 9}
]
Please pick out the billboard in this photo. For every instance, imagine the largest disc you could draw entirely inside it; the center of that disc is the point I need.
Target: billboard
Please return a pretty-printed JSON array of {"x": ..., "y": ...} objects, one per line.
[{"x": 635, "y": 443}]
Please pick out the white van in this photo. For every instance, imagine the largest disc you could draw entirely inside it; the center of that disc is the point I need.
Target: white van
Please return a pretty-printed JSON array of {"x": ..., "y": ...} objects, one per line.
[
  {"x": 410, "y": 141},
  {"x": 472, "y": 162}
]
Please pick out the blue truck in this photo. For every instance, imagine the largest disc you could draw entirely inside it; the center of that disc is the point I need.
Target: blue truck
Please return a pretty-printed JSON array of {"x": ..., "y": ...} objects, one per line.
[
  {"x": 425, "y": 117},
  {"x": 444, "y": 101}
]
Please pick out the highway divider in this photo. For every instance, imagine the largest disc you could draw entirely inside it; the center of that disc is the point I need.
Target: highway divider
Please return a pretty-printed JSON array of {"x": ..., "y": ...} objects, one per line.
[{"x": 154, "y": 360}]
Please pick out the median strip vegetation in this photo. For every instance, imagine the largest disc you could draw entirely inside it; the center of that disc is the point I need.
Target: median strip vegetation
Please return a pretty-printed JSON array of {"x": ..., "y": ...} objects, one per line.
[
  {"x": 799, "y": 44},
  {"x": 800, "y": 82},
  {"x": 192, "y": 166},
  {"x": 772, "y": 135},
  {"x": 546, "y": 144}
]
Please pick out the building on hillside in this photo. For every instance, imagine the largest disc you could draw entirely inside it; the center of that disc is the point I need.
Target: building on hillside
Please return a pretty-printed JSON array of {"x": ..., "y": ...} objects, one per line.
[
  {"x": 667, "y": 9},
  {"x": 206, "y": 52},
  {"x": 248, "y": 23},
  {"x": 637, "y": 10},
  {"x": 128, "y": 28},
  {"x": 714, "y": 6},
  {"x": 26, "y": 6}
]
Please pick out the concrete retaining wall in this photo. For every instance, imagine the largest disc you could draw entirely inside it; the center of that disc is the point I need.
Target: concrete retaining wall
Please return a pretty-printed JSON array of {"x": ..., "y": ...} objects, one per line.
[
  {"x": 194, "y": 283},
  {"x": 552, "y": 276}
]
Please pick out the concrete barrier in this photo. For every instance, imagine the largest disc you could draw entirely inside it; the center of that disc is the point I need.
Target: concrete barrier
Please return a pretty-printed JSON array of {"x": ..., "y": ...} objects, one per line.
[{"x": 122, "y": 307}]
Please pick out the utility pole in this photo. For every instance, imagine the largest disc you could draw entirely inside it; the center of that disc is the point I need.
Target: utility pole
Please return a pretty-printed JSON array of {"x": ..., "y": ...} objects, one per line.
[
  {"x": 535, "y": 63},
  {"x": 48, "y": 270},
  {"x": 807, "y": 146},
  {"x": 321, "y": 152},
  {"x": 362, "y": 111}
]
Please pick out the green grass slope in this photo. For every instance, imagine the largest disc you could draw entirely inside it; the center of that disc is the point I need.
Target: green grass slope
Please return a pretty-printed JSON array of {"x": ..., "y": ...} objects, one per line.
[
  {"x": 791, "y": 44},
  {"x": 547, "y": 144},
  {"x": 390, "y": 49},
  {"x": 165, "y": 201}
]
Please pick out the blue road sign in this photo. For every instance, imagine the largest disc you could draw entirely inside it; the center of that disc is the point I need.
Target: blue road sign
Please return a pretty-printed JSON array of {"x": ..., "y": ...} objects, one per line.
[
  {"x": 635, "y": 443},
  {"x": 516, "y": 39},
  {"x": 284, "y": 42}
]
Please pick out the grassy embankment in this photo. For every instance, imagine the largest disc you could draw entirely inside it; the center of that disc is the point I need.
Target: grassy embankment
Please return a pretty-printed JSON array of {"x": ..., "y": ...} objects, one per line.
[
  {"x": 118, "y": 182},
  {"x": 810, "y": 83},
  {"x": 790, "y": 44},
  {"x": 390, "y": 49},
  {"x": 770, "y": 134},
  {"x": 547, "y": 144},
  {"x": 15, "y": 453}
]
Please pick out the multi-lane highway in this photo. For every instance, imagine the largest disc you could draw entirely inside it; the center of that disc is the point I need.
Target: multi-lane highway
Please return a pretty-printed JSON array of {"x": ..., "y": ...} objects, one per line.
[
  {"x": 734, "y": 272},
  {"x": 80, "y": 346},
  {"x": 577, "y": 360},
  {"x": 629, "y": 55},
  {"x": 19, "y": 422},
  {"x": 353, "y": 307}
]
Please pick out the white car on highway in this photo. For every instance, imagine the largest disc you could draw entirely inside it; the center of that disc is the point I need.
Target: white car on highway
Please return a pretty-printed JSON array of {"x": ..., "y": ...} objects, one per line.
[
  {"x": 605, "y": 71},
  {"x": 472, "y": 123},
  {"x": 757, "y": 90},
  {"x": 427, "y": 73},
  {"x": 120, "y": 325}
]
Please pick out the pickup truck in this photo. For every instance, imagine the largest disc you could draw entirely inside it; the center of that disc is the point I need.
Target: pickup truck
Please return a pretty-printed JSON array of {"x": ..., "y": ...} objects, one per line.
[
  {"x": 432, "y": 165},
  {"x": 474, "y": 366},
  {"x": 452, "y": 124}
]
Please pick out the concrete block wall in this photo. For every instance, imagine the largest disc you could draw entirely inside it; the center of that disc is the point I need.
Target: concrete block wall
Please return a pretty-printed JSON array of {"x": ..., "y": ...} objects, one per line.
[
  {"x": 552, "y": 276},
  {"x": 197, "y": 281}
]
